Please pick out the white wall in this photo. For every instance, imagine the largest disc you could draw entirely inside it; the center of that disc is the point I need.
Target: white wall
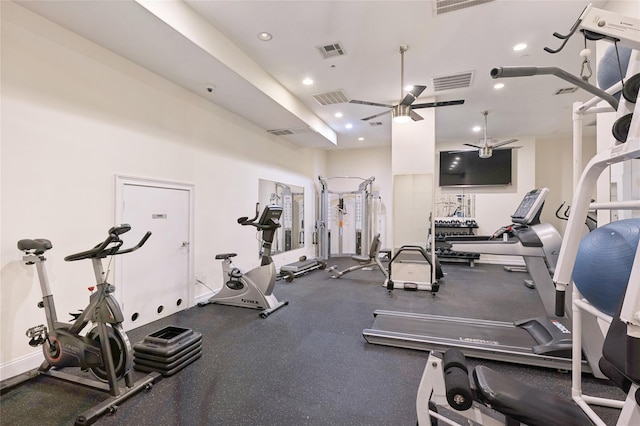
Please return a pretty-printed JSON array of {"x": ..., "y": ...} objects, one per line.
[
  {"x": 554, "y": 165},
  {"x": 73, "y": 116}
]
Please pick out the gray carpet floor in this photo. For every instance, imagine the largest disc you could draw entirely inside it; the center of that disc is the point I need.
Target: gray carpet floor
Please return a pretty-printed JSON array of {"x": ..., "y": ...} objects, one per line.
[{"x": 307, "y": 364}]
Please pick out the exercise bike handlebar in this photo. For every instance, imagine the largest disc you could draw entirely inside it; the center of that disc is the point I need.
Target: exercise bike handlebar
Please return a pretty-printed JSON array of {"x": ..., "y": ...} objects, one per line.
[
  {"x": 244, "y": 220},
  {"x": 103, "y": 249}
]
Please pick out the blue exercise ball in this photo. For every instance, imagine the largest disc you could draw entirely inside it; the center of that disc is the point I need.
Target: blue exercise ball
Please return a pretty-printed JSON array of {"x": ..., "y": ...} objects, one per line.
[
  {"x": 609, "y": 69},
  {"x": 604, "y": 261}
]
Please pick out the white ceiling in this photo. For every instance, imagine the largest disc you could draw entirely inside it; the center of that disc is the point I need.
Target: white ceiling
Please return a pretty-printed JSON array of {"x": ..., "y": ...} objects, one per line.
[{"x": 475, "y": 39}]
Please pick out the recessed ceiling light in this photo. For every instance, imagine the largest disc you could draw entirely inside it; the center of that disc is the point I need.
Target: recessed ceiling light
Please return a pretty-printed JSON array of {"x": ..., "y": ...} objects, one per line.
[
  {"x": 307, "y": 81},
  {"x": 349, "y": 126},
  {"x": 360, "y": 138},
  {"x": 338, "y": 114},
  {"x": 520, "y": 46},
  {"x": 264, "y": 36},
  {"x": 476, "y": 128},
  {"x": 498, "y": 86}
]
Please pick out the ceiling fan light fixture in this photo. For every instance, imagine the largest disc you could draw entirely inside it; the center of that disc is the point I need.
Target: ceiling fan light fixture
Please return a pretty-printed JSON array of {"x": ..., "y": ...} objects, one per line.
[
  {"x": 485, "y": 152},
  {"x": 400, "y": 114}
]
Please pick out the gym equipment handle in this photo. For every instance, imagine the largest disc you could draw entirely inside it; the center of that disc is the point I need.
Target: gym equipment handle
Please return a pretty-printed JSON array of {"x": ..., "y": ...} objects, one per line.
[
  {"x": 102, "y": 250},
  {"x": 244, "y": 220},
  {"x": 500, "y": 72},
  {"x": 559, "y": 308}
]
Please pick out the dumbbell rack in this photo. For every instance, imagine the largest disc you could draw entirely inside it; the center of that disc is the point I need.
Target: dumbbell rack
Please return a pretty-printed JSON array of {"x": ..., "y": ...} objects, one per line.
[{"x": 448, "y": 226}]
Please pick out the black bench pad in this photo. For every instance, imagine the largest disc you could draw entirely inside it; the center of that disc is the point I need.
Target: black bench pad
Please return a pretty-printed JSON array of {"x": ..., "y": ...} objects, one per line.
[{"x": 524, "y": 403}]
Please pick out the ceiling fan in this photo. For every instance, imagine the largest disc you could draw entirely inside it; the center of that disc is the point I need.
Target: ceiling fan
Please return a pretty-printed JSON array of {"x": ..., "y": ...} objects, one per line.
[
  {"x": 486, "y": 150},
  {"x": 403, "y": 111}
]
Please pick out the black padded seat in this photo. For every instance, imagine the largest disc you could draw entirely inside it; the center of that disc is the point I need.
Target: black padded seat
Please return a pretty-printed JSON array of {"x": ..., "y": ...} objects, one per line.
[
  {"x": 225, "y": 256},
  {"x": 524, "y": 403},
  {"x": 40, "y": 245},
  {"x": 374, "y": 250}
]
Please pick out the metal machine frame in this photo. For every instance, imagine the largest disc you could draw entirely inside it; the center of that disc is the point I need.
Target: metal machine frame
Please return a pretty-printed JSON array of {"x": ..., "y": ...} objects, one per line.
[{"x": 364, "y": 226}]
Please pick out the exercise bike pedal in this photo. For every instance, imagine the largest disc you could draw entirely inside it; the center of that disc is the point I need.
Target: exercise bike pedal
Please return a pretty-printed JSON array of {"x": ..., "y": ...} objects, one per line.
[
  {"x": 36, "y": 341},
  {"x": 37, "y": 335}
]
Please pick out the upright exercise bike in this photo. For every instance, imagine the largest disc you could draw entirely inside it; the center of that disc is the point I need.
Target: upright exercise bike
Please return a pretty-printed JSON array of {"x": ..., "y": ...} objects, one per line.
[
  {"x": 254, "y": 288},
  {"x": 105, "y": 349}
]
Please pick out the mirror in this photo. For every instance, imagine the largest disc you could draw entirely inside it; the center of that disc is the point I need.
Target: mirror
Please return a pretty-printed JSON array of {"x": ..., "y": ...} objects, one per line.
[
  {"x": 456, "y": 205},
  {"x": 290, "y": 235}
]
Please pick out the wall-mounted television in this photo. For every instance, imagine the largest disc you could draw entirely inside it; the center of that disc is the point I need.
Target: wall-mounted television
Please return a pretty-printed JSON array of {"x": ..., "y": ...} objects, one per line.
[{"x": 466, "y": 168}]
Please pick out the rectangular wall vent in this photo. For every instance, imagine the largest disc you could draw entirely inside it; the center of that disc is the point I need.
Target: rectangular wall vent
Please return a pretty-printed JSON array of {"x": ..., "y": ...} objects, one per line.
[
  {"x": 331, "y": 50},
  {"x": 329, "y": 98},
  {"x": 454, "y": 81},
  {"x": 565, "y": 90},
  {"x": 280, "y": 132},
  {"x": 444, "y": 6},
  {"x": 294, "y": 131},
  {"x": 375, "y": 123}
]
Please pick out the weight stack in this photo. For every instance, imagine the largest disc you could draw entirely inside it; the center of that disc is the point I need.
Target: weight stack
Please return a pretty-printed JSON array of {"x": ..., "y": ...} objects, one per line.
[{"x": 167, "y": 351}]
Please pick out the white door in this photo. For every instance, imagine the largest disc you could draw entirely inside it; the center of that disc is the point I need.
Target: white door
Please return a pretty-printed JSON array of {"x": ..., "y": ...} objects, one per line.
[{"x": 155, "y": 279}]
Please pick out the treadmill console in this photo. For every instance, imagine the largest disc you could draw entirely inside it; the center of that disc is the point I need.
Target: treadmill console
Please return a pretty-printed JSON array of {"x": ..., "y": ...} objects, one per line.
[{"x": 528, "y": 212}]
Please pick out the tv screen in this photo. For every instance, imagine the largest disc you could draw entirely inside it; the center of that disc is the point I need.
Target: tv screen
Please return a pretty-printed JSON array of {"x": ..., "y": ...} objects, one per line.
[{"x": 465, "y": 168}]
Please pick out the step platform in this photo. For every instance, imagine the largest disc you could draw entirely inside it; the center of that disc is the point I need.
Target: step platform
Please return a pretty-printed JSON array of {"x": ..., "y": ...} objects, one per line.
[{"x": 167, "y": 351}]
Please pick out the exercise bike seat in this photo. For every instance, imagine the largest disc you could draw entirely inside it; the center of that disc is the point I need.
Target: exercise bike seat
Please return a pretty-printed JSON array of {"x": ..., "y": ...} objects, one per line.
[
  {"x": 225, "y": 256},
  {"x": 524, "y": 403},
  {"x": 40, "y": 245}
]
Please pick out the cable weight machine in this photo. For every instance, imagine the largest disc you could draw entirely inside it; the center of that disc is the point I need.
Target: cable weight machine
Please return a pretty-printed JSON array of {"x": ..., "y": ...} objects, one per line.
[{"x": 341, "y": 210}]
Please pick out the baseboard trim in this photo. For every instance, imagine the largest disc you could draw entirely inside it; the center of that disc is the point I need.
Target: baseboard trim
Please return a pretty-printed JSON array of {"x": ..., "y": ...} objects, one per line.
[{"x": 20, "y": 365}]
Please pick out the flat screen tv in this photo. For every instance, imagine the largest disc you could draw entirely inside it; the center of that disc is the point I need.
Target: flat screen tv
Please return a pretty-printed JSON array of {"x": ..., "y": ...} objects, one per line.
[{"x": 465, "y": 168}]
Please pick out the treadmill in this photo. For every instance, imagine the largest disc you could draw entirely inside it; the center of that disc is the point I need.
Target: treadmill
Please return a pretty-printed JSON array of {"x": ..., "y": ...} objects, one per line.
[
  {"x": 543, "y": 341},
  {"x": 537, "y": 243}
]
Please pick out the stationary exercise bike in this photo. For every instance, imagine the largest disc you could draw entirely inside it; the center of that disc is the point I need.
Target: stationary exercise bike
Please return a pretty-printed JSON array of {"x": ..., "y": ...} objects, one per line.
[
  {"x": 254, "y": 288},
  {"x": 105, "y": 349}
]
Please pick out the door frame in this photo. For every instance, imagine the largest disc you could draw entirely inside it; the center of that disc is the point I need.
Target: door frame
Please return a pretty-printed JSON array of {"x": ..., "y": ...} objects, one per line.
[{"x": 120, "y": 182}]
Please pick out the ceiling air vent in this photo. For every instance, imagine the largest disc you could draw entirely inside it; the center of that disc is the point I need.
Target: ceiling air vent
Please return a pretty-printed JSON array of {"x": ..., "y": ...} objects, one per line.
[
  {"x": 444, "y": 6},
  {"x": 331, "y": 50},
  {"x": 287, "y": 132},
  {"x": 565, "y": 90},
  {"x": 280, "y": 132},
  {"x": 375, "y": 123},
  {"x": 329, "y": 98},
  {"x": 454, "y": 81}
]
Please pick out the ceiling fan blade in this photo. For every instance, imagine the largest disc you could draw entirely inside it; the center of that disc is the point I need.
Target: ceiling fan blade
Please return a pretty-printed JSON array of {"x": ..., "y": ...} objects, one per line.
[
  {"x": 374, "y": 116},
  {"x": 461, "y": 150},
  {"x": 415, "y": 116},
  {"x": 353, "y": 101},
  {"x": 496, "y": 145},
  {"x": 412, "y": 95},
  {"x": 438, "y": 104},
  {"x": 470, "y": 144}
]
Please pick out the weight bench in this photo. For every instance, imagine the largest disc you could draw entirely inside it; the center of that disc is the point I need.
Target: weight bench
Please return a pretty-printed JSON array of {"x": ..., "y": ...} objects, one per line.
[{"x": 371, "y": 260}]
